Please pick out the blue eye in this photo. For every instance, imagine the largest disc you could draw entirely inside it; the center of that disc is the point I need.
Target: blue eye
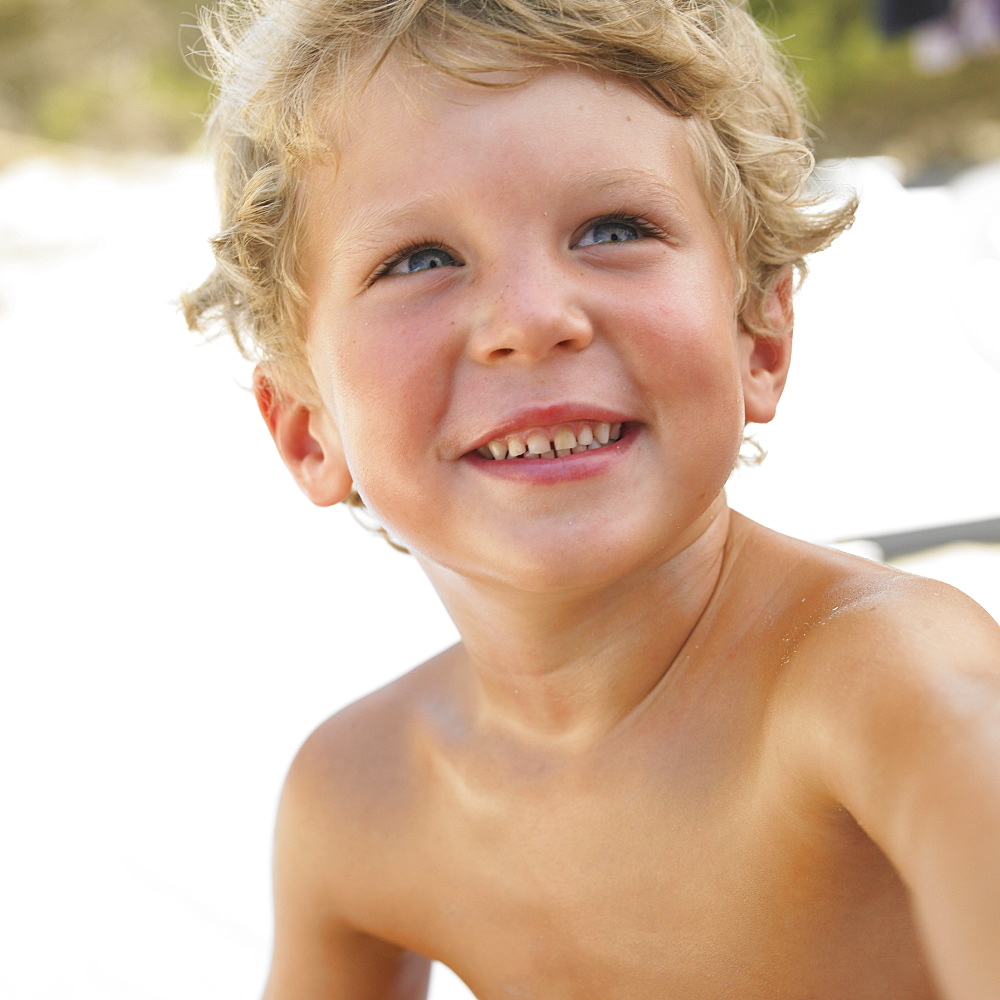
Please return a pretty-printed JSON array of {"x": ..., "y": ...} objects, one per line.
[
  {"x": 423, "y": 259},
  {"x": 611, "y": 231}
]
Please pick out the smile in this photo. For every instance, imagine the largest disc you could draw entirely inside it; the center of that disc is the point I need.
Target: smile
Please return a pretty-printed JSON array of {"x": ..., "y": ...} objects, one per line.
[{"x": 555, "y": 442}]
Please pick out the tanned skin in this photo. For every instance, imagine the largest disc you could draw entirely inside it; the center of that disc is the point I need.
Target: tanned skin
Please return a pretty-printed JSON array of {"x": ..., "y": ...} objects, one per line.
[
  {"x": 676, "y": 754},
  {"x": 749, "y": 829}
]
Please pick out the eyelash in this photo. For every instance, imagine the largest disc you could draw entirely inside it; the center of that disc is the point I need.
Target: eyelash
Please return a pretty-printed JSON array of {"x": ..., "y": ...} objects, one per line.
[
  {"x": 644, "y": 226},
  {"x": 400, "y": 255}
]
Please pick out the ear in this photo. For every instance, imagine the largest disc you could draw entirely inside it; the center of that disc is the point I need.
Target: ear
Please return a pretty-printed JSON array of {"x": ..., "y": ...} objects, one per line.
[
  {"x": 307, "y": 440},
  {"x": 765, "y": 360}
]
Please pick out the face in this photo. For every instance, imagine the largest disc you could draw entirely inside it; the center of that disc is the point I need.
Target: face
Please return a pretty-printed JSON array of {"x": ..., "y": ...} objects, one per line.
[{"x": 495, "y": 273}]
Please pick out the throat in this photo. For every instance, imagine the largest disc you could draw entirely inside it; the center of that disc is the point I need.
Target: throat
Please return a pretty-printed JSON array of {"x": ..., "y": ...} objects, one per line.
[{"x": 569, "y": 672}]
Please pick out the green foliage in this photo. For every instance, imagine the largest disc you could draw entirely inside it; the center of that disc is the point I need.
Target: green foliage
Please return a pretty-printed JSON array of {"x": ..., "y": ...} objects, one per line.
[
  {"x": 112, "y": 73},
  {"x": 104, "y": 73},
  {"x": 866, "y": 98}
]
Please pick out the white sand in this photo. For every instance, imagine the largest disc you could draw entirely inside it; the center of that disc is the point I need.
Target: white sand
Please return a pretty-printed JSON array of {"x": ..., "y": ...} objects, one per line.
[{"x": 178, "y": 617}]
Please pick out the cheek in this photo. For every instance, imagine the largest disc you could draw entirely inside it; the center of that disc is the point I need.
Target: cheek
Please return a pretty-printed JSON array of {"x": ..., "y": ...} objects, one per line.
[
  {"x": 691, "y": 343},
  {"x": 386, "y": 384},
  {"x": 370, "y": 359},
  {"x": 688, "y": 359}
]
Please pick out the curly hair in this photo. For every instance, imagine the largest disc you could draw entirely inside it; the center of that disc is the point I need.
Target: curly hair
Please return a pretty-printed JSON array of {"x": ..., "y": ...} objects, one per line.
[
  {"x": 703, "y": 59},
  {"x": 278, "y": 63}
]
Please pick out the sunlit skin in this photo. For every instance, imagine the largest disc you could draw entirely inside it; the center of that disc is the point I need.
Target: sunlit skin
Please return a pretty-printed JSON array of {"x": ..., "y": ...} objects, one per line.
[{"x": 675, "y": 755}]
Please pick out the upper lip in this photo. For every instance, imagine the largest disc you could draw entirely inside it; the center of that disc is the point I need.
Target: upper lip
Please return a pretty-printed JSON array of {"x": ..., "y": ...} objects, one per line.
[{"x": 532, "y": 417}]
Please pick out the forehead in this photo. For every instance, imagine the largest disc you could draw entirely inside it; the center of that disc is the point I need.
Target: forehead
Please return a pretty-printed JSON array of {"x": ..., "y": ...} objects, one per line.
[{"x": 414, "y": 138}]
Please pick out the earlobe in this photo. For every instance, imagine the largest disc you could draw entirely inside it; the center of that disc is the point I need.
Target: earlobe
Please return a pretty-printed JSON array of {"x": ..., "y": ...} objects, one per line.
[
  {"x": 307, "y": 440},
  {"x": 766, "y": 358}
]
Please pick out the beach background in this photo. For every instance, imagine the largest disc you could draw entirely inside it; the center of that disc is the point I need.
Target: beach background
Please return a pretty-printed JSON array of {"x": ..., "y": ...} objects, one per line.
[{"x": 177, "y": 617}]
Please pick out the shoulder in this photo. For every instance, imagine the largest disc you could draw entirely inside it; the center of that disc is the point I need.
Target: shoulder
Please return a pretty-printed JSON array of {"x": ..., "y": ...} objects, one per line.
[
  {"x": 871, "y": 632},
  {"x": 348, "y": 800},
  {"x": 371, "y": 747},
  {"x": 358, "y": 779},
  {"x": 840, "y": 615},
  {"x": 891, "y": 612},
  {"x": 892, "y": 713},
  {"x": 890, "y": 687}
]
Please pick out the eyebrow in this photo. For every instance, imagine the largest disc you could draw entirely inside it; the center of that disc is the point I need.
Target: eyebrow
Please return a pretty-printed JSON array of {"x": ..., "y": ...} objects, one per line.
[
  {"x": 368, "y": 231},
  {"x": 640, "y": 181}
]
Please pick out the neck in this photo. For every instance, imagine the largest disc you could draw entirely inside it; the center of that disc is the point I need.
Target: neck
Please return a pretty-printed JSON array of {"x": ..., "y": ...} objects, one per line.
[{"x": 568, "y": 665}]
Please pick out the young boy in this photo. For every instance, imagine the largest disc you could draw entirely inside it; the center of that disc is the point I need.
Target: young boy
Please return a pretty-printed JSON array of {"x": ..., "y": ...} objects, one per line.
[{"x": 516, "y": 275}]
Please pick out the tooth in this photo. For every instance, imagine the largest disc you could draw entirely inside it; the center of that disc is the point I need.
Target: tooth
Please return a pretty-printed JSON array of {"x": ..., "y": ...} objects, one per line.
[
  {"x": 498, "y": 449},
  {"x": 538, "y": 444},
  {"x": 548, "y": 454},
  {"x": 564, "y": 440},
  {"x": 585, "y": 437},
  {"x": 602, "y": 432},
  {"x": 563, "y": 452},
  {"x": 531, "y": 454},
  {"x": 594, "y": 445},
  {"x": 579, "y": 448},
  {"x": 516, "y": 447},
  {"x": 616, "y": 431},
  {"x": 484, "y": 451}
]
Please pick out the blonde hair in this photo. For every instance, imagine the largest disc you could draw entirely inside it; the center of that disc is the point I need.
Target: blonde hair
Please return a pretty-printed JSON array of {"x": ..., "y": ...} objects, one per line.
[
  {"x": 703, "y": 59},
  {"x": 275, "y": 61}
]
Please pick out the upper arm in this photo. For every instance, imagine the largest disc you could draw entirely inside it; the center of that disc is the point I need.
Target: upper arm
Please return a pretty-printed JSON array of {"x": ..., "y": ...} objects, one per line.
[
  {"x": 318, "y": 954},
  {"x": 908, "y": 693}
]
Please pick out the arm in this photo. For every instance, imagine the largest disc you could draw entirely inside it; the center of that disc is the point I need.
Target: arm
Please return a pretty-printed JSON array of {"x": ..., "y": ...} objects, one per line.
[
  {"x": 317, "y": 954},
  {"x": 911, "y": 747}
]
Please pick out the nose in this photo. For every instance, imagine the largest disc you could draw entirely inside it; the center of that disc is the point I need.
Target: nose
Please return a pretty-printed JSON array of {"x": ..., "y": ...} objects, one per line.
[{"x": 528, "y": 316}]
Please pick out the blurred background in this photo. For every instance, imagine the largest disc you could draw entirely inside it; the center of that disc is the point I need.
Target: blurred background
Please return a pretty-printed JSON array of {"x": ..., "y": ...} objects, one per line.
[
  {"x": 912, "y": 79},
  {"x": 177, "y": 617}
]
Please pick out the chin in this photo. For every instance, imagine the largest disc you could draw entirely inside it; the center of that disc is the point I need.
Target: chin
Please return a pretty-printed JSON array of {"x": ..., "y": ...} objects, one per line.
[{"x": 556, "y": 559}]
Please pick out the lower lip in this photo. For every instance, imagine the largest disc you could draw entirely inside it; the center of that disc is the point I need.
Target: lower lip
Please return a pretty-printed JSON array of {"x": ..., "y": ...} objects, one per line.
[{"x": 550, "y": 471}]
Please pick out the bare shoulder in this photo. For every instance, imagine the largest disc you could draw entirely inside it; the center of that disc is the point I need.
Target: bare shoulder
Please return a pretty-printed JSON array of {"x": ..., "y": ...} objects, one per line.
[
  {"x": 362, "y": 764},
  {"x": 886, "y": 708},
  {"x": 354, "y": 790},
  {"x": 844, "y": 616},
  {"x": 867, "y": 628},
  {"x": 351, "y": 794},
  {"x": 889, "y": 682}
]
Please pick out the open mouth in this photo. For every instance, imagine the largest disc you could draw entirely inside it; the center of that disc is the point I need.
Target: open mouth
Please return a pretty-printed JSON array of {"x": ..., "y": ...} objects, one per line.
[{"x": 557, "y": 442}]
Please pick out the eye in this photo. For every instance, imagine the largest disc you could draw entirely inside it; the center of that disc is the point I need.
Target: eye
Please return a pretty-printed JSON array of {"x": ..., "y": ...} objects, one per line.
[
  {"x": 414, "y": 259},
  {"x": 625, "y": 229},
  {"x": 609, "y": 232}
]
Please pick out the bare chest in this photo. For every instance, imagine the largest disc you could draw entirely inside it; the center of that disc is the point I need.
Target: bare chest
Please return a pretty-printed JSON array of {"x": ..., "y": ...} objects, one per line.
[{"x": 652, "y": 876}]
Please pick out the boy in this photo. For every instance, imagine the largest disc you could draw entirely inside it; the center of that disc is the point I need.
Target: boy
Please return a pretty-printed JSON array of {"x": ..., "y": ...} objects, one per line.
[{"x": 516, "y": 275}]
